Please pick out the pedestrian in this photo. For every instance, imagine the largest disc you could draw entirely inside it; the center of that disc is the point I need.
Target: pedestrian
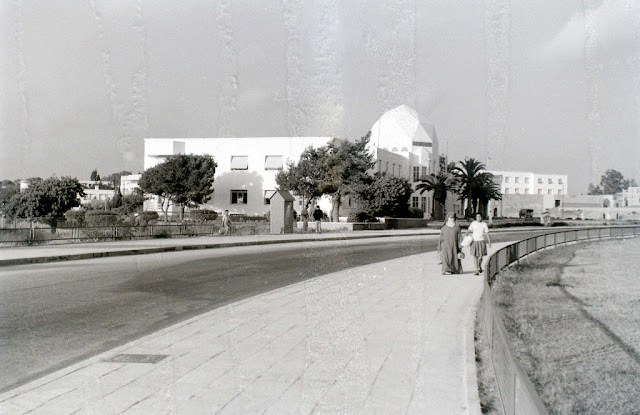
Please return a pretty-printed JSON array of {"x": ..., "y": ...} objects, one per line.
[
  {"x": 449, "y": 245},
  {"x": 480, "y": 233},
  {"x": 317, "y": 216},
  {"x": 226, "y": 223}
]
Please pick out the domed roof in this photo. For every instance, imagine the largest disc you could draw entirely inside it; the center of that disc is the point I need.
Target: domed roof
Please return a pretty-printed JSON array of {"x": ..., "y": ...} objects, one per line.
[{"x": 401, "y": 124}]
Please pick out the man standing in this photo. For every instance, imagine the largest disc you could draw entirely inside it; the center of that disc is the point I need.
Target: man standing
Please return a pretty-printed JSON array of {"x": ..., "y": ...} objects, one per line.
[{"x": 317, "y": 216}]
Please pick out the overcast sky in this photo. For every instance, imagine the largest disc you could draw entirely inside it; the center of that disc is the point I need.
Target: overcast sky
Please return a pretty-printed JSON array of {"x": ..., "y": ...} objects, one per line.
[{"x": 542, "y": 85}]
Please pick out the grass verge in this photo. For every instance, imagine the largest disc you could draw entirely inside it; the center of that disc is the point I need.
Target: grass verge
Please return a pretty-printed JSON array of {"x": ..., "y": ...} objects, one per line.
[{"x": 573, "y": 318}]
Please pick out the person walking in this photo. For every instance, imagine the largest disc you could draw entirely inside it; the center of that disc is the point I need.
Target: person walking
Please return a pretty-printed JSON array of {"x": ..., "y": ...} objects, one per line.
[
  {"x": 449, "y": 245},
  {"x": 480, "y": 234},
  {"x": 226, "y": 223},
  {"x": 317, "y": 216}
]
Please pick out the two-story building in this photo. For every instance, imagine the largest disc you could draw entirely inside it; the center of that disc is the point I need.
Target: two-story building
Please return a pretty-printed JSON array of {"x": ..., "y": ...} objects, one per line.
[{"x": 246, "y": 167}]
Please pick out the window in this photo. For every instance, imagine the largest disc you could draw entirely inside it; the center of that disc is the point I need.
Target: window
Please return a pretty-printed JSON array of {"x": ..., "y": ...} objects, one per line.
[
  {"x": 526, "y": 191},
  {"x": 550, "y": 181},
  {"x": 416, "y": 173},
  {"x": 559, "y": 181},
  {"x": 506, "y": 179},
  {"x": 424, "y": 171},
  {"x": 549, "y": 191},
  {"x": 506, "y": 190},
  {"x": 387, "y": 167},
  {"x": 423, "y": 203},
  {"x": 393, "y": 168},
  {"x": 399, "y": 169},
  {"x": 517, "y": 180},
  {"x": 239, "y": 162},
  {"x": 267, "y": 196},
  {"x": 379, "y": 163},
  {"x": 557, "y": 203},
  {"x": 539, "y": 181},
  {"x": 414, "y": 201},
  {"x": 273, "y": 163},
  {"x": 404, "y": 149},
  {"x": 539, "y": 191},
  {"x": 517, "y": 191},
  {"x": 526, "y": 180},
  {"x": 238, "y": 197},
  {"x": 394, "y": 149},
  {"x": 559, "y": 191}
]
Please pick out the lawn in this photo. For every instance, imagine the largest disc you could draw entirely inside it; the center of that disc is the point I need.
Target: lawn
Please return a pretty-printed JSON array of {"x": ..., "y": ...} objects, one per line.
[{"x": 573, "y": 317}]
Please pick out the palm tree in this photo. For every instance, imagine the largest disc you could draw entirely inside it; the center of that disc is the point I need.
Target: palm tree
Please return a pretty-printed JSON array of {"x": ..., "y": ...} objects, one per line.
[
  {"x": 469, "y": 174},
  {"x": 440, "y": 184},
  {"x": 488, "y": 189}
]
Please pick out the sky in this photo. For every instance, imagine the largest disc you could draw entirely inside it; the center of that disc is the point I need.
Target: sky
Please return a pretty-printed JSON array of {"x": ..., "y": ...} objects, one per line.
[{"x": 545, "y": 86}]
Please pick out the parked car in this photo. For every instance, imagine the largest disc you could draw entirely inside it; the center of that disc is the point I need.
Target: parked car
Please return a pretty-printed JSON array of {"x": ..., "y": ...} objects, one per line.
[{"x": 526, "y": 214}]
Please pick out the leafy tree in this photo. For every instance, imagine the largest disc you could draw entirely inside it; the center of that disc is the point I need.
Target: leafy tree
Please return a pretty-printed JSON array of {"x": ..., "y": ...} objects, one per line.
[
  {"x": 116, "y": 202},
  {"x": 7, "y": 190},
  {"x": 183, "y": 180},
  {"x": 303, "y": 178},
  {"x": 440, "y": 184},
  {"x": 383, "y": 195},
  {"x": 132, "y": 203},
  {"x": 49, "y": 198},
  {"x": 95, "y": 177},
  {"x": 344, "y": 165},
  {"x": 115, "y": 177},
  {"x": 611, "y": 182}
]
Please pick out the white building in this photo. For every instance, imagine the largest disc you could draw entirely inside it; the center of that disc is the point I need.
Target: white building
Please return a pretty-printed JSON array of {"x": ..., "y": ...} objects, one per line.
[
  {"x": 246, "y": 167},
  {"x": 528, "y": 183},
  {"x": 129, "y": 183},
  {"x": 631, "y": 197}
]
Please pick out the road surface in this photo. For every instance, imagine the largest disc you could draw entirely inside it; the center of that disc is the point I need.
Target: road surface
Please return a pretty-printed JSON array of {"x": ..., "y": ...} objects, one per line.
[{"x": 52, "y": 315}]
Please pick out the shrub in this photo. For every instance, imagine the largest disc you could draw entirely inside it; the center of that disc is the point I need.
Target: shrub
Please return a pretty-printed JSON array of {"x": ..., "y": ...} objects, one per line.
[
  {"x": 202, "y": 215},
  {"x": 415, "y": 213},
  {"x": 75, "y": 218},
  {"x": 101, "y": 218},
  {"x": 146, "y": 217},
  {"x": 361, "y": 216}
]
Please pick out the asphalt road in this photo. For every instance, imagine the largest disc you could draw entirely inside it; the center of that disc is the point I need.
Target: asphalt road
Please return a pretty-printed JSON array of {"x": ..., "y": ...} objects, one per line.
[{"x": 52, "y": 315}]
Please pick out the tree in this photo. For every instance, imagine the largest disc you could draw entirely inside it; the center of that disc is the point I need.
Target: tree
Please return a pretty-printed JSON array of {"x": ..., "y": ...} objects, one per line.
[
  {"x": 133, "y": 202},
  {"x": 303, "y": 178},
  {"x": 49, "y": 198},
  {"x": 7, "y": 190},
  {"x": 611, "y": 182},
  {"x": 115, "y": 177},
  {"x": 344, "y": 165},
  {"x": 383, "y": 195},
  {"x": 440, "y": 184},
  {"x": 116, "y": 202},
  {"x": 469, "y": 176},
  {"x": 95, "y": 177},
  {"x": 183, "y": 180}
]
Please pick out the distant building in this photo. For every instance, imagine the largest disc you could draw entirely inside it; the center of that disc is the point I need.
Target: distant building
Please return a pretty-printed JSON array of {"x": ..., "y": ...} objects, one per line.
[
  {"x": 96, "y": 191},
  {"x": 246, "y": 167},
  {"x": 129, "y": 183},
  {"x": 528, "y": 183},
  {"x": 631, "y": 197}
]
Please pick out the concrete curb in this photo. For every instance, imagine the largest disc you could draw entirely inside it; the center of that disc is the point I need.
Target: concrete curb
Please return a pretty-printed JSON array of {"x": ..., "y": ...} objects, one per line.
[
  {"x": 174, "y": 248},
  {"x": 185, "y": 247}
]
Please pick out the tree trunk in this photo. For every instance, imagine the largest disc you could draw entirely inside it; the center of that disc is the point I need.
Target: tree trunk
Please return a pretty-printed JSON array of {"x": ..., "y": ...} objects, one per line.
[{"x": 335, "y": 207}]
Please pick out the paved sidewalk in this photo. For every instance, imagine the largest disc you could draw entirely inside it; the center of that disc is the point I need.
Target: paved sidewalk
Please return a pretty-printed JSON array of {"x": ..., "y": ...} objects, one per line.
[
  {"x": 59, "y": 252},
  {"x": 390, "y": 337}
]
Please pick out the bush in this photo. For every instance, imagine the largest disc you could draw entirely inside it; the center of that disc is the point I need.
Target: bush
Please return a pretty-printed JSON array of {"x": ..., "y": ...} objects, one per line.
[
  {"x": 361, "y": 216},
  {"x": 75, "y": 218},
  {"x": 415, "y": 213},
  {"x": 202, "y": 215},
  {"x": 241, "y": 217},
  {"x": 101, "y": 218}
]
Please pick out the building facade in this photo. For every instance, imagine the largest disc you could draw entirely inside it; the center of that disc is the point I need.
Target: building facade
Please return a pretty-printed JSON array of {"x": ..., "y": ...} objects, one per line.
[
  {"x": 246, "y": 167},
  {"x": 528, "y": 183}
]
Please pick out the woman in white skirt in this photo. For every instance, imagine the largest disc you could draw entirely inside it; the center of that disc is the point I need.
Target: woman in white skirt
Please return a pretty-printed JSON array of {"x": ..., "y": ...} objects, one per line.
[{"x": 480, "y": 234}]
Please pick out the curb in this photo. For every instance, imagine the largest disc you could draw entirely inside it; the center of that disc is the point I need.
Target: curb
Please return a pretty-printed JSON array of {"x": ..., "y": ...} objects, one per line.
[{"x": 174, "y": 248}]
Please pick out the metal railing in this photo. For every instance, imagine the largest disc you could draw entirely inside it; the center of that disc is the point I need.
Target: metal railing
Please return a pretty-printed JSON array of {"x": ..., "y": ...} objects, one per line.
[
  {"x": 518, "y": 250},
  {"x": 516, "y": 392}
]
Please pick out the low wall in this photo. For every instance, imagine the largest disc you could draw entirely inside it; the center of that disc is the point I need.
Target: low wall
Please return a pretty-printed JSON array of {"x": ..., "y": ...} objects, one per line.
[
  {"x": 516, "y": 392},
  {"x": 405, "y": 223}
]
